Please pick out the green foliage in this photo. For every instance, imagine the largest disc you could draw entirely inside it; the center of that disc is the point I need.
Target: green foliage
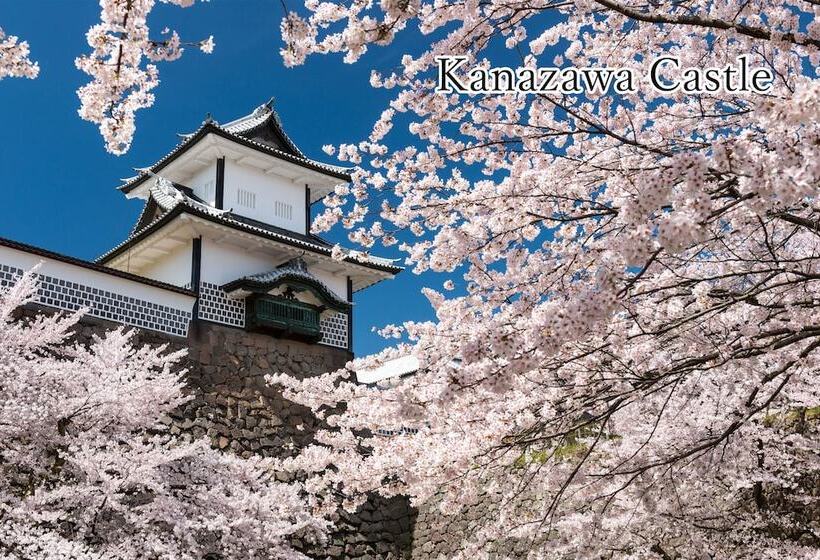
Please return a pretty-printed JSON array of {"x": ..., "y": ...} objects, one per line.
[
  {"x": 794, "y": 419},
  {"x": 568, "y": 448}
]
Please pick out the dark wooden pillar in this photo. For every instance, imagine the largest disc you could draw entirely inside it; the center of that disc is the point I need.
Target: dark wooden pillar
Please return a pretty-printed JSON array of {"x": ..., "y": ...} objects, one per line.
[
  {"x": 196, "y": 271},
  {"x": 350, "y": 315},
  {"x": 219, "y": 201},
  {"x": 307, "y": 210}
]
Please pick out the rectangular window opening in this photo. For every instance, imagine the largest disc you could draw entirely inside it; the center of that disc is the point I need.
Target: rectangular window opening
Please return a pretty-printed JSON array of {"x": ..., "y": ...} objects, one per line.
[
  {"x": 283, "y": 210},
  {"x": 246, "y": 198}
]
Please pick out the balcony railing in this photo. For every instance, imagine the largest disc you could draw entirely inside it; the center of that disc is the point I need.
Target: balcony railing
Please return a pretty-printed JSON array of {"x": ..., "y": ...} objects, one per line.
[{"x": 285, "y": 317}]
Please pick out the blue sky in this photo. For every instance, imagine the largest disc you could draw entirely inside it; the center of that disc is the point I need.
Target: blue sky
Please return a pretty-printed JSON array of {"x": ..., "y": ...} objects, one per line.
[{"x": 59, "y": 184}]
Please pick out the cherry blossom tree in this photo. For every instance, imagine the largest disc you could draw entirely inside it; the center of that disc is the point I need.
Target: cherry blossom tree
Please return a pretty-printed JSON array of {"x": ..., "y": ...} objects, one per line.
[
  {"x": 626, "y": 345},
  {"x": 122, "y": 82},
  {"x": 89, "y": 469}
]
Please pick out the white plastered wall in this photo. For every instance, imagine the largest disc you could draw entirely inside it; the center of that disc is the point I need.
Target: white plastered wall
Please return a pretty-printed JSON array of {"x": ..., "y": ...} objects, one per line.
[
  {"x": 268, "y": 190},
  {"x": 335, "y": 282},
  {"x": 173, "y": 268},
  {"x": 203, "y": 183},
  {"x": 222, "y": 263}
]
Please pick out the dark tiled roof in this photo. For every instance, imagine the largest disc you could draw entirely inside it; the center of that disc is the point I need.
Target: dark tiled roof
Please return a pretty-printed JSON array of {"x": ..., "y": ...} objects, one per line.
[
  {"x": 92, "y": 266},
  {"x": 146, "y": 215},
  {"x": 293, "y": 270},
  {"x": 174, "y": 200},
  {"x": 265, "y": 127},
  {"x": 261, "y": 130},
  {"x": 309, "y": 238}
]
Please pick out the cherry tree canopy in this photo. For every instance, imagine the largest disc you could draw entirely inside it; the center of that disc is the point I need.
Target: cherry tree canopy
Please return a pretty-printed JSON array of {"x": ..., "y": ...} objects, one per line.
[
  {"x": 88, "y": 471},
  {"x": 629, "y": 355}
]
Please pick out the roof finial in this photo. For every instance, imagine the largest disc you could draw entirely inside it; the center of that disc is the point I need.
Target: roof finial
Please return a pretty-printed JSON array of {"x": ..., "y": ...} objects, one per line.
[
  {"x": 297, "y": 263},
  {"x": 208, "y": 119},
  {"x": 270, "y": 102}
]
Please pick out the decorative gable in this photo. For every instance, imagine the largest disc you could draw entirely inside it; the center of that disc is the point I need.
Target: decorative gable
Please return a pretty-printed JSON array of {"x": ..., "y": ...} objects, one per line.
[
  {"x": 263, "y": 126},
  {"x": 292, "y": 279}
]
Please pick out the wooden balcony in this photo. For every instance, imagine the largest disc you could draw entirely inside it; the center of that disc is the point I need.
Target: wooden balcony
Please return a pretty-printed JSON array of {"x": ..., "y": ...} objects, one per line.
[{"x": 284, "y": 317}]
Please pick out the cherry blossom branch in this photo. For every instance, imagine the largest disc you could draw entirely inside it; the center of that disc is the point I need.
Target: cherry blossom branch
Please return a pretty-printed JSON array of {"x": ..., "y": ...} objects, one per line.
[
  {"x": 120, "y": 84},
  {"x": 711, "y": 23},
  {"x": 14, "y": 58}
]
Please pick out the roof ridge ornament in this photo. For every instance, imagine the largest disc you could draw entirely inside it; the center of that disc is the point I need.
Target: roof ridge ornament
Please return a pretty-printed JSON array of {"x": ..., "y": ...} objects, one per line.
[
  {"x": 264, "y": 108},
  {"x": 209, "y": 119},
  {"x": 297, "y": 263},
  {"x": 164, "y": 189}
]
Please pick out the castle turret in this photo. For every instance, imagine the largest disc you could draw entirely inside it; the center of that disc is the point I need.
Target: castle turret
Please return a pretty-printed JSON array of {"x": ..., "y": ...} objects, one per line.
[{"x": 227, "y": 215}]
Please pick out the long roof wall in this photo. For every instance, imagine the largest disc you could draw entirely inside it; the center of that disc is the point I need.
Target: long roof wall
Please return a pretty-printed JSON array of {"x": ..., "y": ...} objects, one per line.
[{"x": 71, "y": 284}]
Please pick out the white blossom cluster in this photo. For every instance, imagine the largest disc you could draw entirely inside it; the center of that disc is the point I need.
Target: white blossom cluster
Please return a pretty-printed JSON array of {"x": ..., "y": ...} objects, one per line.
[
  {"x": 14, "y": 58},
  {"x": 120, "y": 84}
]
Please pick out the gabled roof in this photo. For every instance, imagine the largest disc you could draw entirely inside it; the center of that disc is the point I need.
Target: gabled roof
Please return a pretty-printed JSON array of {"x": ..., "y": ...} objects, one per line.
[
  {"x": 171, "y": 200},
  {"x": 293, "y": 271},
  {"x": 261, "y": 130},
  {"x": 265, "y": 127}
]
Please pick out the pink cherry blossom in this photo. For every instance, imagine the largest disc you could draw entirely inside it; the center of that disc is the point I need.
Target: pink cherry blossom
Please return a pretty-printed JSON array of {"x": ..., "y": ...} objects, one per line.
[
  {"x": 90, "y": 470},
  {"x": 14, "y": 58},
  {"x": 121, "y": 83},
  {"x": 629, "y": 364}
]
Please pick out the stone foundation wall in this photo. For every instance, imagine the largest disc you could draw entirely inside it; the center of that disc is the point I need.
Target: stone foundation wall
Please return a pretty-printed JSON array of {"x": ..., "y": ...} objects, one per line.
[
  {"x": 234, "y": 406},
  {"x": 437, "y": 536},
  {"x": 240, "y": 413}
]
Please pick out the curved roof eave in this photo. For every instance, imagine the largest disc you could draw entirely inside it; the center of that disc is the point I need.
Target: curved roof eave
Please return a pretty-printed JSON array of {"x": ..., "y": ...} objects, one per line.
[
  {"x": 212, "y": 128},
  {"x": 253, "y": 284},
  {"x": 181, "y": 208}
]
